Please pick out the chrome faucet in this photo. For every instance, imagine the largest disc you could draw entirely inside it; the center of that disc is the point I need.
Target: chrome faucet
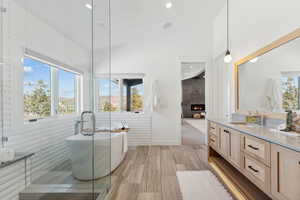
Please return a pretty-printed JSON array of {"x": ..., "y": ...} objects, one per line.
[
  {"x": 76, "y": 127},
  {"x": 87, "y": 132}
]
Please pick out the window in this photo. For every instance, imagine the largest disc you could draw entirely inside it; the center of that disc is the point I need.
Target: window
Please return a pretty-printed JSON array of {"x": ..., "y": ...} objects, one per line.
[
  {"x": 290, "y": 86},
  {"x": 49, "y": 90},
  {"x": 134, "y": 94},
  {"x": 120, "y": 94},
  {"x": 37, "y": 91},
  {"x": 67, "y": 93},
  {"x": 108, "y": 98}
]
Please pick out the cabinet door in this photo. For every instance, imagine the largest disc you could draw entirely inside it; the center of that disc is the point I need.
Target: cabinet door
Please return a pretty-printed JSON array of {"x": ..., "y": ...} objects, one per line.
[
  {"x": 224, "y": 142},
  {"x": 235, "y": 148},
  {"x": 285, "y": 170}
]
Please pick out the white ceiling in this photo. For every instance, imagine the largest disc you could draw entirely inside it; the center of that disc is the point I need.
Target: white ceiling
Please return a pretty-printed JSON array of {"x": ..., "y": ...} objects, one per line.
[{"x": 130, "y": 19}]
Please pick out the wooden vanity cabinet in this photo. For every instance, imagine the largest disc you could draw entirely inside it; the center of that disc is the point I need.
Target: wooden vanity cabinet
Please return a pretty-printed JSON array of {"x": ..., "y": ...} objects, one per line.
[
  {"x": 272, "y": 168},
  {"x": 285, "y": 171}
]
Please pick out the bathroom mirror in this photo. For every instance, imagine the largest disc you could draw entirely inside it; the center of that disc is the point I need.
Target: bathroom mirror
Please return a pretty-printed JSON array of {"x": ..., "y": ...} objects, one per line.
[{"x": 269, "y": 79}]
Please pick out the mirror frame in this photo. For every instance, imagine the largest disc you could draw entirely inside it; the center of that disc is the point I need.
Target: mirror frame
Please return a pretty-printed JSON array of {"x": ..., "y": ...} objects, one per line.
[{"x": 277, "y": 43}]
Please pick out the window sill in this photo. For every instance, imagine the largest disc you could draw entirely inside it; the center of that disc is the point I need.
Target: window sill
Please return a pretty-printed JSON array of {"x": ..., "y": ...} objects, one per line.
[{"x": 50, "y": 119}]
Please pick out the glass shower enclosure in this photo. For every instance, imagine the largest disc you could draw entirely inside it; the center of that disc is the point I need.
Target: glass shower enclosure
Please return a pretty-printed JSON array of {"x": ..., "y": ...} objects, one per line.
[{"x": 49, "y": 51}]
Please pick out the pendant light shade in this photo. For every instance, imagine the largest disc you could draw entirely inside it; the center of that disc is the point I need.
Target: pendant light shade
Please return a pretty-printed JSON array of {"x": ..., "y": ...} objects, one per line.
[{"x": 227, "y": 58}]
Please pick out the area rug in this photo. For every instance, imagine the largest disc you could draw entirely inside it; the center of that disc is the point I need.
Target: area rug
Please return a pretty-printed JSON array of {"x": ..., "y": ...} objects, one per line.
[{"x": 201, "y": 185}]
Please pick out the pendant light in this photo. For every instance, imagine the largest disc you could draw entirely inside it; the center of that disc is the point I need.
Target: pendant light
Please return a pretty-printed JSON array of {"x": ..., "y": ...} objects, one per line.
[{"x": 227, "y": 58}]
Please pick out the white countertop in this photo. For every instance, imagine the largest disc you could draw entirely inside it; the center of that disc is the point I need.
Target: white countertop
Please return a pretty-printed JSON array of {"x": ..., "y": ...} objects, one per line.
[{"x": 290, "y": 142}]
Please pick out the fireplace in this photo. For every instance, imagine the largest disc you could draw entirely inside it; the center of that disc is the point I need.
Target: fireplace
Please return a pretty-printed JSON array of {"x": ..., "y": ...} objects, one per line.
[{"x": 198, "y": 107}]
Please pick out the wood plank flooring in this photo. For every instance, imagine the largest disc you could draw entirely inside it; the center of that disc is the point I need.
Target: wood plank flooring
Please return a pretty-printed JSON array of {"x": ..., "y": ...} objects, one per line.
[{"x": 149, "y": 172}]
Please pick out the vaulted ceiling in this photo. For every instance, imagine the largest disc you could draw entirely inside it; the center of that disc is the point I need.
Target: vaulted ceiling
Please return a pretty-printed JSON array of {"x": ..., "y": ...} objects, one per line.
[{"x": 130, "y": 19}]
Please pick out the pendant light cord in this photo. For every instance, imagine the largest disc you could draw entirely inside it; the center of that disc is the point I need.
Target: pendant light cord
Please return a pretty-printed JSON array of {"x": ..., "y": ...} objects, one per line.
[{"x": 227, "y": 24}]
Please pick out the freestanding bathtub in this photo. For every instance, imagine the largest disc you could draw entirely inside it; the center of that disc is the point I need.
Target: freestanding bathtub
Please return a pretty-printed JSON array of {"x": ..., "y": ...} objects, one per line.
[{"x": 109, "y": 150}]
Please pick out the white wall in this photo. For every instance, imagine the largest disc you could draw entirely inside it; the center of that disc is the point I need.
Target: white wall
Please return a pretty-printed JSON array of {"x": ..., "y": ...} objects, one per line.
[
  {"x": 253, "y": 24},
  {"x": 159, "y": 57}
]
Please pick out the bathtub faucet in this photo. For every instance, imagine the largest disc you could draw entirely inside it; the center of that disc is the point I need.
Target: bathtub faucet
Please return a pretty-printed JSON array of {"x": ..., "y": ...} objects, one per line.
[
  {"x": 76, "y": 127},
  {"x": 89, "y": 131}
]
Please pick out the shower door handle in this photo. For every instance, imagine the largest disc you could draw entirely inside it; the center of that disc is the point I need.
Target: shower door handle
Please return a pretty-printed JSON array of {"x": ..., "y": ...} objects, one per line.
[{"x": 93, "y": 118}]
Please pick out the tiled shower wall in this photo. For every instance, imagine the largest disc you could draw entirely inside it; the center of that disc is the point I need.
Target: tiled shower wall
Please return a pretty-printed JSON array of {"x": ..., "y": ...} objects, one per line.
[{"x": 45, "y": 138}]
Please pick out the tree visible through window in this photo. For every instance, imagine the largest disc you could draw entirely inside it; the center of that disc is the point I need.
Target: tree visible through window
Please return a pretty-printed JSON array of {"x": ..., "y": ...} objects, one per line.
[
  {"x": 137, "y": 98},
  {"x": 120, "y": 95},
  {"x": 290, "y": 93},
  {"x": 37, "y": 95},
  {"x": 40, "y": 100}
]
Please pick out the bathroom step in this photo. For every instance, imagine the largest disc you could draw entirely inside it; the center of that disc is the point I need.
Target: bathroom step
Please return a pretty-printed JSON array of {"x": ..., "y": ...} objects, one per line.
[{"x": 59, "y": 192}]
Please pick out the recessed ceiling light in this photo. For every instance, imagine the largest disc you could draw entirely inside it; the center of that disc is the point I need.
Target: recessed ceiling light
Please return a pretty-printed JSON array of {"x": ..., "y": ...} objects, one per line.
[
  {"x": 89, "y": 6},
  {"x": 169, "y": 5},
  {"x": 167, "y": 25}
]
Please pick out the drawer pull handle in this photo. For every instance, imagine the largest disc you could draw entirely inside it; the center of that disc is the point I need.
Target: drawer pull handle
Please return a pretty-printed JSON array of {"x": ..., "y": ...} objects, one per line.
[
  {"x": 255, "y": 170},
  {"x": 252, "y": 147},
  {"x": 212, "y": 140},
  {"x": 212, "y": 128},
  {"x": 226, "y": 131}
]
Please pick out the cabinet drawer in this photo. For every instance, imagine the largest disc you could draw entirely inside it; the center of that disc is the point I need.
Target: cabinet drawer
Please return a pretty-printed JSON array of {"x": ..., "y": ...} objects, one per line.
[
  {"x": 257, "y": 172},
  {"x": 213, "y": 128},
  {"x": 214, "y": 141},
  {"x": 257, "y": 148}
]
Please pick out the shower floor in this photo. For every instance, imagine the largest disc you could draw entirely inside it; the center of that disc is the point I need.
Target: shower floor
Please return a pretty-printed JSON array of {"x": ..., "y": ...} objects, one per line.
[{"x": 59, "y": 184}]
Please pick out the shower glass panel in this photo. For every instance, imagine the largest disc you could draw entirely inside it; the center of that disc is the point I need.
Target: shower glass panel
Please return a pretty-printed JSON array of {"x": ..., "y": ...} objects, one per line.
[
  {"x": 1, "y": 75},
  {"x": 51, "y": 49},
  {"x": 102, "y": 59}
]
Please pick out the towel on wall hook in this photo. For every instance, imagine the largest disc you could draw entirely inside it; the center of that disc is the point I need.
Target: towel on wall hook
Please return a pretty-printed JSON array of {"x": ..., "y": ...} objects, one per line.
[{"x": 155, "y": 96}]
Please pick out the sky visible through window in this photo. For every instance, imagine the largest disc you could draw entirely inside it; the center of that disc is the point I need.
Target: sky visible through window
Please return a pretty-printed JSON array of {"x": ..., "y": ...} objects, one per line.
[
  {"x": 104, "y": 88},
  {"x": 35, "y": 70},
  {"x": 66, "y": 84},
  {"x": 105, "y": 84}
]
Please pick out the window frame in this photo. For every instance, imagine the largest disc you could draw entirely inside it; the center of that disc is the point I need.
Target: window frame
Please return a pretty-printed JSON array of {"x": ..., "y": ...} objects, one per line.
[
  {"x": 120, "y": 77},
  {"x": 54, "y": 88}
]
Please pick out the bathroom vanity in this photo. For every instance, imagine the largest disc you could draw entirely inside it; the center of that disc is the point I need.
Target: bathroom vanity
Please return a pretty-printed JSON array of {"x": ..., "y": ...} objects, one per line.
[
  {"x": 268, "y": 159},
  {"x": 267, "y": 84}
]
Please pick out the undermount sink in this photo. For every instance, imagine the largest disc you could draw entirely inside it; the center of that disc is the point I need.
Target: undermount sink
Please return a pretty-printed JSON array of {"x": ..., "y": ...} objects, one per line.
[{"x": 292, "y": 134}]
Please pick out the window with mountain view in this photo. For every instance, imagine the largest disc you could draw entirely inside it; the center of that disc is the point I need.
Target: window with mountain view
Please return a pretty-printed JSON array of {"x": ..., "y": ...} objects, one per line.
[
  {"x": 40, "y": 99},
  {"x": 67, "y": 95},
  {"x": 120, "y": 94}
]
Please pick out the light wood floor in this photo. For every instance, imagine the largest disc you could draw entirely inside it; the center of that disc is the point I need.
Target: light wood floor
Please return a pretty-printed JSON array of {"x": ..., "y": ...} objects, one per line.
[
  {"x": 190, "y": 134},
  {"x": 149, "y": 173}
]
